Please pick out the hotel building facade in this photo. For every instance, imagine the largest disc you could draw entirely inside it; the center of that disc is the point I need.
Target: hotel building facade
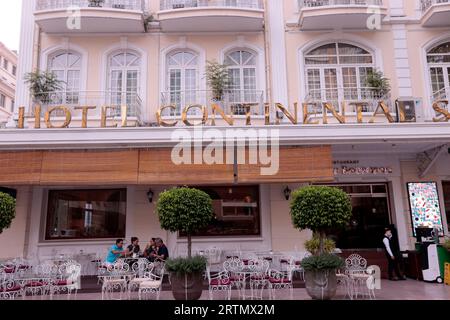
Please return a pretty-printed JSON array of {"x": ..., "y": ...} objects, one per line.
[{"x": 81, "y": 186}]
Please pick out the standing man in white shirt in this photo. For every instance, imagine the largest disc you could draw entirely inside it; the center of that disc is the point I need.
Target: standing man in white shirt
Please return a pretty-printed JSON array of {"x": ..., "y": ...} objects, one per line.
[{"x": 392, "y": 255}]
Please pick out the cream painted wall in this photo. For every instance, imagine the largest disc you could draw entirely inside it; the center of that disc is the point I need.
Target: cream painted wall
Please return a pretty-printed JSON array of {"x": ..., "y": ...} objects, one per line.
[
  {"x": 284, "y": 236},
  {"x": 13, "y": 239}
]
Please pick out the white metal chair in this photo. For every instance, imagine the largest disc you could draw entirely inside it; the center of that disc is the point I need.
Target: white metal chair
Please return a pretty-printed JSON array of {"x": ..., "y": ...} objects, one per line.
[
  {"x": 152, "y": 286},
  {"x": 278, "y": 281},
  {"x": 355, "y": 269},
  {"x": 219, "y": 283},
  {"x": 259, "y": 278},
  {"x": 68, "y": 280},
  {"x": 144, "y": 274},
  {"x": 234, "y": 269},
  {"x": 10, "y": 289},
  {"x": 116, "y": 280}
]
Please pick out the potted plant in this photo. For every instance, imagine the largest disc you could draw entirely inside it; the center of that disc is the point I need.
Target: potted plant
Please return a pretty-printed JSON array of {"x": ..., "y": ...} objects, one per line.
[
  {"x": 446, "y": 244},
  {"x": 7, "y": 210},
  {"x": 378, "y": 83},
  {"x": 313, "y": 245},
  {"x": 185, "y": 210},
  {"x": 218, "y": 79},
  {"x": 42, "y": 84},
  {"x": 319, "y": 209}
]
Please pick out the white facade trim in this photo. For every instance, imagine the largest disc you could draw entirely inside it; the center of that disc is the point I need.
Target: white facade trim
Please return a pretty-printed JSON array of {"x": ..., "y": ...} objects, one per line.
[
  {"x": 278, "y": 59},
  {"x": 66, "y": 46},
  {"x": 125, "y": 45},
  {"x": 241, "y": 44},
  {"x": 27, "y": 52},
  {"x": 401, "y": 57},
  {"x": 182, "y": 45}
]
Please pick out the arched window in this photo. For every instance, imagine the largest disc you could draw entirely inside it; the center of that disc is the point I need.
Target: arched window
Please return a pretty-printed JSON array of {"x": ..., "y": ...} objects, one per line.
[
  {"x": 66, "y": 66},
  {"x": 124, "y": 73},
  {"x": 242, "y": 68},
  {"x": 182, "y": 79},
  {"x": 438, "y": 60},
  {"x": 338, "y": 71}
]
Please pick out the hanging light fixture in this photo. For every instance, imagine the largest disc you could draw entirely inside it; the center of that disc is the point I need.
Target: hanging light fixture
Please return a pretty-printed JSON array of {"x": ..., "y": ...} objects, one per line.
[
  {"x": 150, "y": 195},
  {"x": 287, "y": 193}
]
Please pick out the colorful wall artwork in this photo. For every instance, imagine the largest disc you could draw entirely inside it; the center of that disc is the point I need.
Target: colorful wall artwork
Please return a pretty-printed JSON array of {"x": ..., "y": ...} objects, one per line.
[{"x": 425, "y": 207}]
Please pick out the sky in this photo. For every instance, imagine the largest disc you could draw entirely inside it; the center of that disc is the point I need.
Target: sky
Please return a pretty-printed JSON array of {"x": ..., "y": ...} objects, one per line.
[{"x": 10, "y": 12}]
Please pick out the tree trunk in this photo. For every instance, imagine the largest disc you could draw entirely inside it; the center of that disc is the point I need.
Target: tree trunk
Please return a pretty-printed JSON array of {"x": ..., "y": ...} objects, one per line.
[
  {"x": 321, "y": 242},
  {"x": 189, "y": 246}
]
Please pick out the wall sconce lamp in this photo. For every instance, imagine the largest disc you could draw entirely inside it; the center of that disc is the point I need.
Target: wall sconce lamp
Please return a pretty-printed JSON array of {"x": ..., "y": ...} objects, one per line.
[
  {"x": 287, "y": 193},
  {"x": 150, "y": 195}
]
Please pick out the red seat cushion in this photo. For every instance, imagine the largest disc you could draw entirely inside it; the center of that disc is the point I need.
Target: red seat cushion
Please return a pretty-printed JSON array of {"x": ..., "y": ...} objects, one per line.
[
  {"x": 36, "y": 284},
  {"x": 268, "y": 259},
  {"x": 62, "y": 283},
  {"x": 245, "y": 262},
  {"x": 220, "y": 282},
  {"x": 284, "y": 261},
  {"x": 259, "y": 277},
  {"x": 15, "y": 288},
  {"x": 298, "y": 263},
  {"x": 236, "y": 278},
  {"x": 24, "y": 267},
  {"x": 9, "y": 270},
  {"x": 274, "y": 280}
]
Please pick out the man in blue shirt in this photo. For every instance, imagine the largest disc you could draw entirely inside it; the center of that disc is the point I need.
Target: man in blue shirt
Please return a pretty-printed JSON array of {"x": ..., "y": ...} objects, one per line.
[{"x": 115, "y": 252}]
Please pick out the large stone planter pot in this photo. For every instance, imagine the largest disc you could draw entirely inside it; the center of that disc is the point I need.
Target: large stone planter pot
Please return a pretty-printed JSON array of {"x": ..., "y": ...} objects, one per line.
[
  {"x": 321, "y": 284},
  {"x": 187, "y": 286}
]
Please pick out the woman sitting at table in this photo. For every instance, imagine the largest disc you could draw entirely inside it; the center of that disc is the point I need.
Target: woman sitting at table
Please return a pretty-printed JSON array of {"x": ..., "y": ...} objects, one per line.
[
  {"x": 115, "y": 252},
  {"x": 150, "y": 251}
]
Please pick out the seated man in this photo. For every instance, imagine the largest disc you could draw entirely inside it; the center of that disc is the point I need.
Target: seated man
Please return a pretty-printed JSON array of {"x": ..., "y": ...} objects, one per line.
[
  {"x": 134, "y": 249},
  {"x": 115, "y": 252},
  {"x": 150, "y": 250},
  {"x": 162, "y": 253}
]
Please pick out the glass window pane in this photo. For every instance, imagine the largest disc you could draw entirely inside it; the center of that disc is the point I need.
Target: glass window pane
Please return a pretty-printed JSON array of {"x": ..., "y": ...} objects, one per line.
[
  {"x": 237, "y": 211},
  {"x": 86, "y": 214},
  {"x": 331, "y": 84},
  {"x": 441, "y": 49},
  {"x": 355, "y": 59},
  {"x": 321, "y": 60},
  {"x": 348, "y": 49},
  {"x": 437, "y": 80},
  {"x": 328, "y": 49}
]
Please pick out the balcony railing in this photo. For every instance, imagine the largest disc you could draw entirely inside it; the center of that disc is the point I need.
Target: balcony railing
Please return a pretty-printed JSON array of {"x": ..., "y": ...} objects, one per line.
[
  {"x": 71, "y": 99},
  {"x": 369, "y": 96},
  {"x": 324, "y": 3},
  {"x": 426, "y": 4},
  {"x": 135, "y": 5},
  {"x": 181, "y": 4},
  {"x": 232, "y": 102}
]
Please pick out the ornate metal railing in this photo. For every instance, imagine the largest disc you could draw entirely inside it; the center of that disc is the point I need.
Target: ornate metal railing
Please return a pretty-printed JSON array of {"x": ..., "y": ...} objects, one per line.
[
  {"x": 323, "y": 3},
  {"x": 136, "y": 5},
  {"x": 181, "y": 4},
  {"x": 369, "y": 96},
  {"x": 232, "y": 101},
  {"x": 426, "y": 4}
]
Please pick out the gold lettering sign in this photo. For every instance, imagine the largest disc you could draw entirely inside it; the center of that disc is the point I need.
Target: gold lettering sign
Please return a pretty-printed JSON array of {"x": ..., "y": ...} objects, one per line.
[
  {"x": 359, "y": 110},
  {"x": 184, "y": 116},
  {"x": 292, "y": 118},
  {"x": 37, "y": 117},
  {"x": 66, "y": 123},
  {"x": 215, "y": 109},
  {"x": 21, "y": 122},
  {"x": 385, "y": 110},
  {"x": 84, "y": 114},
  {"x": 159, "y": 116},
  {"x": 248, "y": 113},
  {"x": 306, "y": 119},
  {"x": 104, "y": 117},
  {"x": 267, "y": 114},
  {"x": 329, "y": 107},
  {"x": 444, "y": 112}
]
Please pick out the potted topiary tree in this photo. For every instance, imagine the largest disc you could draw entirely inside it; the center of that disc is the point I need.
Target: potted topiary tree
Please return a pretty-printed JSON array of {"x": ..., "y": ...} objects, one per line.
[
  {"x": 42, "y": 84},
  {"x": 218, "y": 79},
  {"x": 319, "y": 209},
  {"x": 7, "y": 210},
  {"x": 185, "y": 210}
]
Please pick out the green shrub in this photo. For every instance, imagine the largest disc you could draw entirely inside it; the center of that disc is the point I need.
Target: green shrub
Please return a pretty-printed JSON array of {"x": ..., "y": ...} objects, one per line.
[
  {"x": 185, "y": 210},
  {"x": 313, "y": 245},
  {"x": 322, "y": 262},
  {"x": 186, "y": 265},
  {"x": 7, "y": 210},
  {"x": 320, "y": 208}
]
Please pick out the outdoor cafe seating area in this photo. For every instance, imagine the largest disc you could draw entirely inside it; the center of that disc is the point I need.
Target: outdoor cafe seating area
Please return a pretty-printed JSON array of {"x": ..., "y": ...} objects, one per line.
[{"x": 229, "y": 275}]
